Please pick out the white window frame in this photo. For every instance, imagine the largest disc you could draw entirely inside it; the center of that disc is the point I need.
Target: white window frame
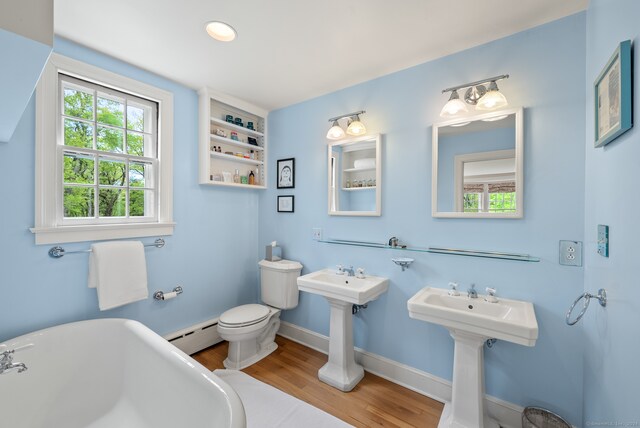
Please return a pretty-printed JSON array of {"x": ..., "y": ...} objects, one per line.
[{"x": 49, "y": 227}]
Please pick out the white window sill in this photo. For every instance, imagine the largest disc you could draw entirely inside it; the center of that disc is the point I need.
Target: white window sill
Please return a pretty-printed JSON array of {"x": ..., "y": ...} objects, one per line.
[{"x": 62, "y": 234}]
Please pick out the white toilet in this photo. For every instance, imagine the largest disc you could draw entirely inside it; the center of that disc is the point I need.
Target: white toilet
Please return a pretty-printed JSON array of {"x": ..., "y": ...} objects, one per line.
[{"x": 251, "y": 329}]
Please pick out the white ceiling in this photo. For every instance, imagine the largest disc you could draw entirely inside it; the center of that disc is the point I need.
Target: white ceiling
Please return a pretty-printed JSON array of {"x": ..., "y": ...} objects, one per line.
[{"x": 289, "y": 51}]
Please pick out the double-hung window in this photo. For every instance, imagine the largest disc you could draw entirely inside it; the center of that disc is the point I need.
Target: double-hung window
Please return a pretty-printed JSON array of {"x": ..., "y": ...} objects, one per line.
[
  {"x": 107, "y": 148},
  {"x": 103, "y": 155}
]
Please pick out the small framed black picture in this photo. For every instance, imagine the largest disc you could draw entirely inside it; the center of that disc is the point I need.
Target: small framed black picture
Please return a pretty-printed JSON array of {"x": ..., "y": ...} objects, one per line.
[
  {"x": 287, "y": 174},
  {"x": 285, "y": 204}
]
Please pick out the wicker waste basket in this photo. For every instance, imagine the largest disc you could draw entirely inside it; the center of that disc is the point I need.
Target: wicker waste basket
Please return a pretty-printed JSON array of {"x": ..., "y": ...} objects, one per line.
[{"x": 535, "y": 417}]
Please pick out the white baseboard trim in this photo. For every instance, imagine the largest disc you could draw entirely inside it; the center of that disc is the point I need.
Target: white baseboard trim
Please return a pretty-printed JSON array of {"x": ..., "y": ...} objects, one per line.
[
  {"x": 196, "y": 337},
  {"x": 509, "y": 415}
]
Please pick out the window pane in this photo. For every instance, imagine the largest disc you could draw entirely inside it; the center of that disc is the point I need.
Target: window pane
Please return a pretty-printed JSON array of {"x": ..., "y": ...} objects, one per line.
[
  {"x": 112, "y": 202},
  {"x": 472, "y": 202},
  {"x": 141, "y": 203},
  {"x": 78, "y": 202},
  {"x": 110, "y": 112},
  {"x": 135, "y": 144},
  {"x": 112, "y": 172},
  {"x": 78, "y": 134},
  {"x": 78, "y": 104},
  {"x": 140, "y": 174},
  {"x": 135, "y": 118},
  {"x": 78, "y": 168},
  {"x": 110, "y": 140}
]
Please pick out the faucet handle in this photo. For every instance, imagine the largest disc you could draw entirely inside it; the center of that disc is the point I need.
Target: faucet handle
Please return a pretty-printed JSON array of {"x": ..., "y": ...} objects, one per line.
[
  {"x": 340, "y": 270},
  {"x": 454, "y": 289},
  {"x": 360, "y": 273},
  {"x": 491, "y": 295}
]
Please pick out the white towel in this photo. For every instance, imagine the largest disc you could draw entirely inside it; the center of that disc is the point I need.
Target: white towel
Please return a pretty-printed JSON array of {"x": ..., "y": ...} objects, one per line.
[{"x": 118, "y": 270}]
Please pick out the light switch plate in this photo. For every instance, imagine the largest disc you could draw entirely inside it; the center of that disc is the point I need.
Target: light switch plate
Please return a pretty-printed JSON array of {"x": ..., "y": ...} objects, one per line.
[
  {"x": 317, "y": 234},
  {"x": 571, "y": 253},
  {"x": 603, "y": 240}
]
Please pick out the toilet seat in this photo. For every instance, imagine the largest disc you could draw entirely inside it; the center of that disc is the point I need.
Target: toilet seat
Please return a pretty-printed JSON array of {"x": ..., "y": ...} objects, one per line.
[{"x": 244, "y": 316}]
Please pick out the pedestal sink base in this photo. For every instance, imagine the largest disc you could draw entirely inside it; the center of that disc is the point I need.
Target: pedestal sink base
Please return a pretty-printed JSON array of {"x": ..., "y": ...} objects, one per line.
[
  {"x": 445, "y": 419},
  {"x": 341, "y": 371},
  {"x": 340, "y": 378}
]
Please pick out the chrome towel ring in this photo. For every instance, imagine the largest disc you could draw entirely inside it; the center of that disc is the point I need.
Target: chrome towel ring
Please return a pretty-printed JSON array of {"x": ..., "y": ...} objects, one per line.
[{"x": 602, "y": 299}]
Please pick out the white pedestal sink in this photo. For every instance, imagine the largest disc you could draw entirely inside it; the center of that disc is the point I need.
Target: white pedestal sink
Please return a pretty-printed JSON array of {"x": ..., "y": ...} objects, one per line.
[
  {"x": 341, "y": 291},
  {"x": 471, "y": 322}
]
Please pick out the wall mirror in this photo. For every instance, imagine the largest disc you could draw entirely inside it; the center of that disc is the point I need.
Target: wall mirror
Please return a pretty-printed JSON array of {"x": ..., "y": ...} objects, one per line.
[
  {"x": 354, "y": 178},
  {"x": 478, "y": 166}
]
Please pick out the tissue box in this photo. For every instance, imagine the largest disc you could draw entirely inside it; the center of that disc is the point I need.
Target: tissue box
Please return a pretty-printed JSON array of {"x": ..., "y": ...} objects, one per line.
[{"x": 273, "y": 254}]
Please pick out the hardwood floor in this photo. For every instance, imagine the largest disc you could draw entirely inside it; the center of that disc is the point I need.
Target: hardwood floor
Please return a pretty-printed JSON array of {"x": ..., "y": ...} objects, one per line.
[{"x": 374, "y": 402}]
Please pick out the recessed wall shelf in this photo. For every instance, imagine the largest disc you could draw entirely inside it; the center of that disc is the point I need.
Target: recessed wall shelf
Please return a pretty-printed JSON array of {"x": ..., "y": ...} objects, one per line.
[
  {"x": 236, "y": 128},
  {"x": 351, "y": 189},
  {"x": 249, "y": 146},
  {"x": 233, "y": 158},
  {"x": 438, "y": 250}
]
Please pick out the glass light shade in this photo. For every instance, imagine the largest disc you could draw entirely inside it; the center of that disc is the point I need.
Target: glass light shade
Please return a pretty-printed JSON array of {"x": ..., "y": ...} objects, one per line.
[
  {"x": 493, "y": 99},
  {"x": 335, "y": 132},
  {"x": 454, "y": 106},
  {"x": 221, "y": 31},
  {"x": 356, "y": 127}
]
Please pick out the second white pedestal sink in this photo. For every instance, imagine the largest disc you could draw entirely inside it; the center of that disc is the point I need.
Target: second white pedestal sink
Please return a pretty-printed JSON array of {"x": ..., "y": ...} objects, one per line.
[
  {"x": 342, "y": 292},
  {"x": 471, "y": 322}
]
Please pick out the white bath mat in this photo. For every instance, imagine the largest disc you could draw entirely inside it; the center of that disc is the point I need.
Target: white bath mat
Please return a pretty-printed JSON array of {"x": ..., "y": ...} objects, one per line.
[{"x": 268, "y": 407}]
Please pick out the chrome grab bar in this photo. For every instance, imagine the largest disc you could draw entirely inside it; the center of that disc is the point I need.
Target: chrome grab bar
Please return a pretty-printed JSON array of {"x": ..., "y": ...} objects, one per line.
[
  {"x": 602, "y": 299},
  {"x": 58, "y": 252}
]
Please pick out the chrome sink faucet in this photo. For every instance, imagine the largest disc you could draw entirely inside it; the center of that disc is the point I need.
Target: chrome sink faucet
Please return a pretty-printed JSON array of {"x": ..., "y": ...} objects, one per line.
[
  {"x": 7, "y": 364},
  {"x": 471, "y": 292},
  {"x": 349, "y": 271}
]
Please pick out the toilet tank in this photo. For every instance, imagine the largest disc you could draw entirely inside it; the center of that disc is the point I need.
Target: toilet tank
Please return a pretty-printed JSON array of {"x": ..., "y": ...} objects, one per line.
[{"x": 278, "y": 283}]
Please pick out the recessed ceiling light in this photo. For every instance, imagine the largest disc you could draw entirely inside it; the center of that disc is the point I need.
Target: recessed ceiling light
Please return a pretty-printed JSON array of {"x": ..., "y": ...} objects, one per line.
[{"x": 221, "y": 31}]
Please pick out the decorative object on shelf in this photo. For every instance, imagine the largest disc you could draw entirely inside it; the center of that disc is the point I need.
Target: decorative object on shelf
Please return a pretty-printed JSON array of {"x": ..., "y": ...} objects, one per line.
[
  {"x": 285, "y": 204},
  {"x": 252, "y": 141},
  {"x": 244, "y": 179},
  {"x": 234, "y": 136},
  {"x": 286, "y": 173},
  {"x": 483, "y": 98},
  {"x": 229, "y": 118},
  {"x": 221, "y": 133},
  {"x": 613, "y": 96},
  {"x": 238, "y": 121},
  {"x": 250, "y": 126},
  {"x": 354, "y": 126}
]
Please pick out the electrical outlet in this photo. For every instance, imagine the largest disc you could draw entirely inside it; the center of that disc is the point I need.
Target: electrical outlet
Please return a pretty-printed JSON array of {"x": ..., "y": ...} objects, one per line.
[
  {"x": 317, "y": 233},
  {"x": 571, "y": 253}
]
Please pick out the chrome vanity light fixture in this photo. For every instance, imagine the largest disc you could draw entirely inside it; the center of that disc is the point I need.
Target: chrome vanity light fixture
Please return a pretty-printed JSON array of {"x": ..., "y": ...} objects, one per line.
[
  {"x": 453, "y": 106},
  {"x": 335, "y": 132},
  {"x": 477, "y": 94},
  {"x": 354, "y": 126}
]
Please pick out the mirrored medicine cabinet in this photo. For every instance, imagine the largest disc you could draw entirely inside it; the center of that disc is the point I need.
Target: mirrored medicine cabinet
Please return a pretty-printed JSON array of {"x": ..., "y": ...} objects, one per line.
[
  {"x": 477, "y": 169},
  {"x": 354, "y": 176}
]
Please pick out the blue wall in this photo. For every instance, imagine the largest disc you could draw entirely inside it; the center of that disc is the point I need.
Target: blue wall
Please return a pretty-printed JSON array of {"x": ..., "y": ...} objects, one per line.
[
  {"x": 212, "y": 252},
  {"x": 23, "y": 61},
  {"x": 611, "y": 373},
  {"x": 547, "y": 66}
]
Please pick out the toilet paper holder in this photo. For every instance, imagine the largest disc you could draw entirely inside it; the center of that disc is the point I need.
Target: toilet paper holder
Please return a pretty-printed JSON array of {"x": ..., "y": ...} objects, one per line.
[{"x": 161, "y": 295}]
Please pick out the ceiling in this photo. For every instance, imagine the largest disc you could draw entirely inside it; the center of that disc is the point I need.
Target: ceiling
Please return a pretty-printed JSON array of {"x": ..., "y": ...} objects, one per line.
[{"x": 288, "y": 51}]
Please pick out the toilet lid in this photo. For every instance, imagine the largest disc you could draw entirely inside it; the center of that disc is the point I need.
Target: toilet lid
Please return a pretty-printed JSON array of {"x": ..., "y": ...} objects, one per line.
[{"x": 245, "y": 314}]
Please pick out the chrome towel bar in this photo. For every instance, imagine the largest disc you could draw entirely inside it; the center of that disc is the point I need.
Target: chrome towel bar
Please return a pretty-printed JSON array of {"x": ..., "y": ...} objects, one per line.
[
  {"x": 602, "y": 299},
  {"x": 57, "y": 251}
]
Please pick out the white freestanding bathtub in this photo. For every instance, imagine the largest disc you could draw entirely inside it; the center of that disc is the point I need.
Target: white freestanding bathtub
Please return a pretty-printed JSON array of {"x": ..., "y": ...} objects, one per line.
[{"x": 111, "y": 373}]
